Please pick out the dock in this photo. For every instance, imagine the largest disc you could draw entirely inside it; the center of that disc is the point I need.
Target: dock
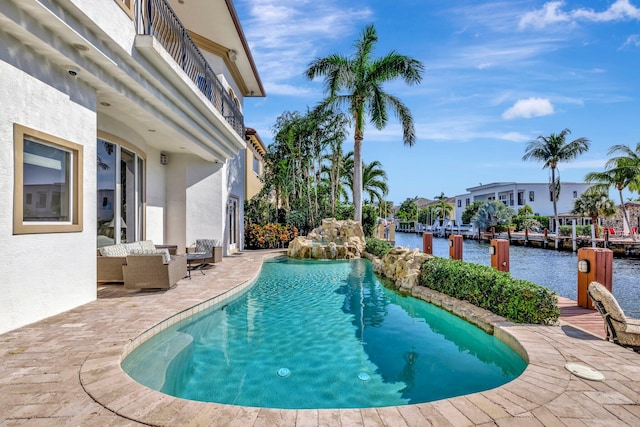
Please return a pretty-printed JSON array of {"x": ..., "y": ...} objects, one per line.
[{"x": 623, "y": 246}]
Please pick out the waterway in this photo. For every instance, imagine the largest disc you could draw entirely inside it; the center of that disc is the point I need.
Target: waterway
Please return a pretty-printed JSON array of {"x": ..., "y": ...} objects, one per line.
[{"x": 556, "y": 270}]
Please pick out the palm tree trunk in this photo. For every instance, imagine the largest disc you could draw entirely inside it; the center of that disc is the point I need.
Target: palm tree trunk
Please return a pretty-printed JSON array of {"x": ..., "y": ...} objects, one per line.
[
  {"x": 553, "y": 197},
  {"x": 357, "y": 176}
]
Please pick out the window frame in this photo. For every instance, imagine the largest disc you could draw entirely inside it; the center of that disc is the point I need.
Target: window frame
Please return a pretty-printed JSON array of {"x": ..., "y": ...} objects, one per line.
[
  {"x": 128, "y": 8},
  {"x": 75, "y": 224}
]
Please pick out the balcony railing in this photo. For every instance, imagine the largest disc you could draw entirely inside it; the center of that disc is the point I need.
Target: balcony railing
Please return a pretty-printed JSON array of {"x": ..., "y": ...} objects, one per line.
[{"x": 156, "y": 18}]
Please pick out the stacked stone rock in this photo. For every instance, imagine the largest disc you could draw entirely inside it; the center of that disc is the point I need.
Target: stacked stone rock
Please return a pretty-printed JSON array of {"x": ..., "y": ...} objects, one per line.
[{"x": 334, "y": 239}]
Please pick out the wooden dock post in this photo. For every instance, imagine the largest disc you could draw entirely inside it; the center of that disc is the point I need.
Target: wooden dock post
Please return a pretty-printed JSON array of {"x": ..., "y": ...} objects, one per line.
[
  {"x": 594, "y": 264},
  {"x": 455, "y": 247},
  {"x": 427, "y": 243},
  {"x": 499, "y": 251}
]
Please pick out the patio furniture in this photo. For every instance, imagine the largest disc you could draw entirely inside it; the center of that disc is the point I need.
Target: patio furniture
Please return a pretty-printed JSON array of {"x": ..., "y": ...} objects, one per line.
[
  {"x": 150, "y": 271},
  {"x": 207, "y": 246},
  {"x": 620, "y": 330},
  {"x": 110, "y": 259},
  {"x": 201, "y": 259}
]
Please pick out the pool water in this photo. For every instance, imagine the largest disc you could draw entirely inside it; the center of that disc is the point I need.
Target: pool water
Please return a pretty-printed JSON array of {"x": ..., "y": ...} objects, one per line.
[{"x": 320, "y": 334}]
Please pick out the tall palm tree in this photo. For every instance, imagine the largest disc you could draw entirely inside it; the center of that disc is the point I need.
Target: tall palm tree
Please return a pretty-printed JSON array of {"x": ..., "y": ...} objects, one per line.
[
  {"x": 594, "y": 203},
  {"x": 621, "y": 172},
  {"x": 551, "y": 150},
  {"x": 356, "y": 83}
]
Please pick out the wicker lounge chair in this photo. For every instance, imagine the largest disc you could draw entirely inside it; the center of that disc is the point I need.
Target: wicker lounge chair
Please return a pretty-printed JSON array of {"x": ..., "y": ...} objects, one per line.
[
  {"x": 152, "y": 272},
  {"x": 209, "y": 246},
  {"x": 620, "y": 330}
]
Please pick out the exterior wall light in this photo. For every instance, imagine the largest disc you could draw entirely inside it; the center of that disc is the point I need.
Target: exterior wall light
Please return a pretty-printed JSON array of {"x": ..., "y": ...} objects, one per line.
[
  {"x": 584, "y": 266},
  {"x": 164, "y": 159}
]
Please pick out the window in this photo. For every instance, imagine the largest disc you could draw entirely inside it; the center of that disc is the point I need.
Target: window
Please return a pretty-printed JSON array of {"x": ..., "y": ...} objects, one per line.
[
  {"x": 467, "y": 202},
  {"x": 127, "y": 6},
  {"x": 575, "y": 194},
  {"x": 256, "y": 166},
  {"x": 520, "y": 198},
  {"x": 459, "y": 203},
  {"x": 531, "y": 196},
  {"x": 51, "y": 169}
]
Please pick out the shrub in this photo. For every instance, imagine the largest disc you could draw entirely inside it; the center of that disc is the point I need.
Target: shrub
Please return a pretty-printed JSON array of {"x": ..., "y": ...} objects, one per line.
[
  {"x": 519, "y": 221},
  {"x": 518, "y": 300},
  {"x": 581, "y": 230},
  {"x": 269, "y": 236},
  {"x": 377, "y": 247}
]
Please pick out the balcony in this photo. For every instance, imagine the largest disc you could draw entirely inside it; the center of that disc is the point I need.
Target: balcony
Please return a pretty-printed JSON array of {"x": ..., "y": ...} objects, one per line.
[{"x": 156, "y": 18}]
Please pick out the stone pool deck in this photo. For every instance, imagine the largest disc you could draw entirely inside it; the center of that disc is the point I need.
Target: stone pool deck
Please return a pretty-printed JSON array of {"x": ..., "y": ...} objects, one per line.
[{"x": 65, "y": 370}]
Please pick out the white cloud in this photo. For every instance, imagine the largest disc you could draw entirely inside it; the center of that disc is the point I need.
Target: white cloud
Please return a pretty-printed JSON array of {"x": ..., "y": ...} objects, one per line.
[
  {"x": 549, "y": 14},
  {"x": 552, "y": 13},
  {"x": 526, "y": 108},
  {"x": 633, "y": 41},
  {"x": 285, "y": 36}
]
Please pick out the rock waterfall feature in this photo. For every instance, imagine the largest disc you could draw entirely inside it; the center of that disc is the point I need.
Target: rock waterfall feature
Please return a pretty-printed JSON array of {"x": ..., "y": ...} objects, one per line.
[{"x": 334, "y": 239}]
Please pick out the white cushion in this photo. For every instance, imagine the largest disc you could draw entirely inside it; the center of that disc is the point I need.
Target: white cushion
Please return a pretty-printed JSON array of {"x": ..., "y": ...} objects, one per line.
[
  {"x": 114, "y": 250},
  {"x": 147, "y": 245},
  {"x": 163, "y": 252}
]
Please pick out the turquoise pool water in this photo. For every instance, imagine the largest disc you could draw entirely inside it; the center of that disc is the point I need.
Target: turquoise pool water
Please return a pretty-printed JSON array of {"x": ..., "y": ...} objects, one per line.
[{"x": 318, "y": 334}]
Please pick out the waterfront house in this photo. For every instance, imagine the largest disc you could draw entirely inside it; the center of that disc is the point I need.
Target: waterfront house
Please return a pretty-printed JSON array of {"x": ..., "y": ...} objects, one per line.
[
  {"x": 120, "y": 120},
  {"x": 516, "y": 195}
]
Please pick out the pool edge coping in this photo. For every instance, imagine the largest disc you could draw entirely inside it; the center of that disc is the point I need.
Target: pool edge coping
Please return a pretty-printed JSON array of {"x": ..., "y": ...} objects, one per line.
[{"x": 103, "y": 378}]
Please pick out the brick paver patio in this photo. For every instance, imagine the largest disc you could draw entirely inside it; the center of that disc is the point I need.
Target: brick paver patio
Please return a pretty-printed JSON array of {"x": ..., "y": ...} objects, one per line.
[{"x": 65, "y": 370}]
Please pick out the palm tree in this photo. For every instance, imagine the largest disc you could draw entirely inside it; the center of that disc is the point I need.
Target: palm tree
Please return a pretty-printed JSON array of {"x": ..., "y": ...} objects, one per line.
[
  {"x": 594, "y": 203},
  {"x": 621, "y": 172},
  {"x": 374, "y": 179},
  {"x": 442, "y": 209},
  {"x": 356, "y": 83},
  {"x": 551, "y": 150}
]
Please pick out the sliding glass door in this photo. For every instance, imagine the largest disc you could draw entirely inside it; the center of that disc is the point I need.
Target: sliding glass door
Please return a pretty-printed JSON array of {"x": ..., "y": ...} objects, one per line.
[{"x": 120, "y": 194}]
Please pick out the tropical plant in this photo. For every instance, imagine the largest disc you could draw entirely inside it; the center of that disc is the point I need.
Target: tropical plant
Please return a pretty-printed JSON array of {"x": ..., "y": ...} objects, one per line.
[
  {"x": 594, "y": 203},
  {"x": 269, "y": 236},
  {"x": 442, "y": 209},
  {"x": 427, "y": 215},
  {"x": 531, "y": 224},
  {"x": 377, "y": 247},
  {"x": 492, "y": 213},
  {"x": 470, "y": 211},
  {"x": 297, "y": 177},
  {"x": 552, "y": 150},
  {"x": 356, "y": 84},
  {"x": 621, "y": 172},
  {"x": 526, "y": 210},
  {"x": 408, "y": 210},
  {"x": 385, "y": 208},
  {"x": 374, "y": 179}
]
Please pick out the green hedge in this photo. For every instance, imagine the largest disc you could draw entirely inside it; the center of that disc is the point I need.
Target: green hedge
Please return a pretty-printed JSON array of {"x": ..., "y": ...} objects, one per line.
[
  {"x": 581, "y": 230},
  {"x": 377, "y": 247},
  {"x": 518, "y": 300}
]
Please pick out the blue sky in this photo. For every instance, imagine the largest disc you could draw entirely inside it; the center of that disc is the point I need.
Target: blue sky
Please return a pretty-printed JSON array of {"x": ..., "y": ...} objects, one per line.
[{"x": 497, "y": 75}]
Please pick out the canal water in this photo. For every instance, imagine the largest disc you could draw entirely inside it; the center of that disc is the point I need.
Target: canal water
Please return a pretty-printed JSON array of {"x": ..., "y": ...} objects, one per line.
[{"x": 556, "y": 270}]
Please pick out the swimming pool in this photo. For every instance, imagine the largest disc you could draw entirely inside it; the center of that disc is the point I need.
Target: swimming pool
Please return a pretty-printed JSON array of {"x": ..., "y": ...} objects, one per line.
[{"x": 319, "y": 334}]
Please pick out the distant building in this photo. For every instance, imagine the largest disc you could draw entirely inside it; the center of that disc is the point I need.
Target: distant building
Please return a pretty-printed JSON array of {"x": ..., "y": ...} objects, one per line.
[{"x": 516, "y": 195}]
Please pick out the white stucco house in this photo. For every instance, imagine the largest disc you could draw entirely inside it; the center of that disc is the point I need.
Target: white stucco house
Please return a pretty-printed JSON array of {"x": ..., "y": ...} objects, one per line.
[
  {"x": 516, "y": 195},
  {"x": 120, "y": 120}
]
